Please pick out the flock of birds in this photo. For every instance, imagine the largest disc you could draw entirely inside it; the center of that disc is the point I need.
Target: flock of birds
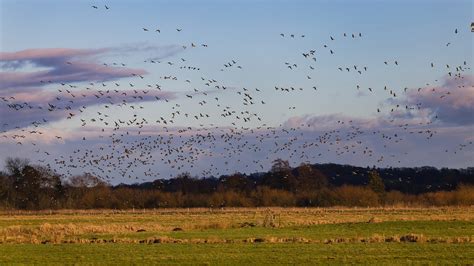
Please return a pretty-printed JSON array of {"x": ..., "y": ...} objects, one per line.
[{"x": 132, "y": 146}]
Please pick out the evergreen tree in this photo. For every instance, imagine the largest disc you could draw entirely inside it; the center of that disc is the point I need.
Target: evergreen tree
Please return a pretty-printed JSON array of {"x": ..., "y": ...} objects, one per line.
[{"x": 376, "y": 183}]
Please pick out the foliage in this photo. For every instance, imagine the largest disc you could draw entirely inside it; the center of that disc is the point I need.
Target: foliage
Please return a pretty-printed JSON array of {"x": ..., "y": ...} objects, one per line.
[{"x": 25, "y": 186}]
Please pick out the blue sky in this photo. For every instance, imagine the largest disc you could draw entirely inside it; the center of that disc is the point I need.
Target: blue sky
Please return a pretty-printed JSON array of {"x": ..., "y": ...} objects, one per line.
[{"x": 413, "y": 33}]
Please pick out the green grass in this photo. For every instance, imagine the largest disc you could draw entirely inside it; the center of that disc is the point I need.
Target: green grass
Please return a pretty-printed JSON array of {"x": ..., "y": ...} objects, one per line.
[
  {"x": 250, "y": 254},
  {"x": 428, "y": 228},
  {"x": 432, "y": 229},
  {"x": 444, "y": 226}
]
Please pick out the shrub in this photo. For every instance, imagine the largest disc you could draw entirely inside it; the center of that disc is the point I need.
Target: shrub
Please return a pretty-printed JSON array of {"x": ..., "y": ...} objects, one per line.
[{"x": 356, "y": 196}]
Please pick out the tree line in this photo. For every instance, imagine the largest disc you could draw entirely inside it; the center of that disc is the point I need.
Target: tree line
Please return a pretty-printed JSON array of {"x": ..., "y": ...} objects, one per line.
[{"x": 33, "y": 187}]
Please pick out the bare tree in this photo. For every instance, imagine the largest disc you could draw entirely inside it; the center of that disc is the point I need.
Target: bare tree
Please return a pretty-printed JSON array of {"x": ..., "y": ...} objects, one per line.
[{"x": 280, "y": 165}]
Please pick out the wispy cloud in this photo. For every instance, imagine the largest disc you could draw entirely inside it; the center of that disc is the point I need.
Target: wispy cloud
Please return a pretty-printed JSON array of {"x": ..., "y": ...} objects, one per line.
[
  {"x": 65, "y": 65},
  {"x": 450, "y": 103},
  {"x": 210, "y": 151}
]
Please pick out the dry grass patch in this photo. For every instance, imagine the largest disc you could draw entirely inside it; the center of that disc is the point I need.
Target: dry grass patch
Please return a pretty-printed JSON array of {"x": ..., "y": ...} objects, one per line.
[{"x": 61, "y": 226}]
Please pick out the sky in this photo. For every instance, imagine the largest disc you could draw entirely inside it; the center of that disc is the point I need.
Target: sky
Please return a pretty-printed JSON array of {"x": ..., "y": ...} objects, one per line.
[{"x": 411, "y": 104}]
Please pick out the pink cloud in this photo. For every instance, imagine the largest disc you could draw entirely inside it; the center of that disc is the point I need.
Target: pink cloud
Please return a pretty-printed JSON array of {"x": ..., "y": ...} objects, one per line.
[
  {"x": 63, "y": 65},
  {"x": 452, "y": 102},
  {"x": 339, "y": 143}
]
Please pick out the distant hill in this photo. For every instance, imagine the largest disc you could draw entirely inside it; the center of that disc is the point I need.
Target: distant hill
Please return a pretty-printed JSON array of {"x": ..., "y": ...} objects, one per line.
[{"x": 408, "y": 180}]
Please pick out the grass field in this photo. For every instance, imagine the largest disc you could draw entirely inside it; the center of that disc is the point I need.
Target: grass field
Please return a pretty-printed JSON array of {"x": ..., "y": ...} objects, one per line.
[{"x": 240, "y": 236}]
